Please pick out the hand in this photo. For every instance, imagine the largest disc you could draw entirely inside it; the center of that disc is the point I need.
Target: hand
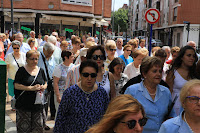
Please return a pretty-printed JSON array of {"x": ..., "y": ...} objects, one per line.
[
  {"x": 36, "y": 87},
  {"x": 42, "y": 88},
  {"x": 58, "y": 99}
]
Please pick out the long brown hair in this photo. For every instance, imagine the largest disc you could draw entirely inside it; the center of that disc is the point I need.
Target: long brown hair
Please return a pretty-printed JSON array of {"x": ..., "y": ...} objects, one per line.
[{"x": 118, "y": 108}]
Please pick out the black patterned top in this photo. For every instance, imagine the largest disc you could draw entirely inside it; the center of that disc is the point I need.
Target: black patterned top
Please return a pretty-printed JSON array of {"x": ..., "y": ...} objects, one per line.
[
  {"x": 120, "y": 83},
  {"x": 78, "y": 110}
]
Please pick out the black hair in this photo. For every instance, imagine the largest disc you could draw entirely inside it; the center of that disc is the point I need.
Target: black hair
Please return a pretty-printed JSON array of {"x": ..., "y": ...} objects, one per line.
[
  {"x": 92, "y": 49},
  {"x": 65, "y": 53},
  {"x": 88, "y": 63},
  {"x": 178, "y": 61},
  {"x": 160, "y": 53},
  {"x": 115, "y": 62}
]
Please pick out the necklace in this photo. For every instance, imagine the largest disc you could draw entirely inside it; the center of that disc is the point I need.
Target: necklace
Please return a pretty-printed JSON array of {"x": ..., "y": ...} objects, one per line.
[
  {"x": 151, "y": 94},
  {"x": 86, "y": 92},
  {"x": 186, "y": 122}
]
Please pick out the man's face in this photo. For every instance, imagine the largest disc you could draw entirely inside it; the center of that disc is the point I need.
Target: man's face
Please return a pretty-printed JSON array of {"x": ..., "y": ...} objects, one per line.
[
  {"x": 32, "y": 35},
  {"x": 119, "y": 44},
  {"x": 192, "y": 45},
  {"x": 19, "y": 37}
]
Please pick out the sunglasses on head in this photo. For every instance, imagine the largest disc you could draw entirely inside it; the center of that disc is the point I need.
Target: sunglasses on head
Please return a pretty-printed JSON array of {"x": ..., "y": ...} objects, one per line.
[
  {"x": 93, "y": 75},
  {"x": 112, "y": 49},
  {"x": 131, "y": 124},
  {"x": 15, "y": 48},
  {"x": 95, "y": 57}
]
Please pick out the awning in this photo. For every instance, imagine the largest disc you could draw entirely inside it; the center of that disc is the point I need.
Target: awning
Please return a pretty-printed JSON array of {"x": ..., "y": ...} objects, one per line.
[
  {"x": 20, "y": 15},
  {"x": 99, "y": 22},
  {"x": 70, "y": 19}
]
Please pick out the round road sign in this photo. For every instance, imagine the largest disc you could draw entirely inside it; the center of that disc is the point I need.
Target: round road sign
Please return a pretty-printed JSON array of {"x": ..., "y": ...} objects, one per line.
[{"x": 152, "y": 16}]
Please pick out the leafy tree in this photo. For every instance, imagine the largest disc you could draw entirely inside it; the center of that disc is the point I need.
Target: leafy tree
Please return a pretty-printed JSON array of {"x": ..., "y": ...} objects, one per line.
[{"x": 121, "y": 19}]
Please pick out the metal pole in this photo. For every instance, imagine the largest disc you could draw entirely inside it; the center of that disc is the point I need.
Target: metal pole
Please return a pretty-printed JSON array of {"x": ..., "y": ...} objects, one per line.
[
  {"x": 150, "y": 40},
  {"x": 113, "y": 23},
  {"x": 12, "y": 21},
  {"x": 188, "y": 32}
]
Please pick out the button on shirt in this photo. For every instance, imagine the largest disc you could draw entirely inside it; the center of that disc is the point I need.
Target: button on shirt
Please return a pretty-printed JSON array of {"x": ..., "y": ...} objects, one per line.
[{"x": 155, "y": 109}]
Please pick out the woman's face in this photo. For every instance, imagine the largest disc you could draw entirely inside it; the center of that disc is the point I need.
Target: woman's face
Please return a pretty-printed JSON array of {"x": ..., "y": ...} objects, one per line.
[
  {"x": 111, "y": 51},
  {"x": 154, "y": 75},
  {"x": 16, "y": 48},
  {"x": 98, "y": 60},
  {"x": 32, "y": 44},
  {"x": 88, "y": 82},
  {"x": 138, "y": 59},
  {"x": 127, "y": 51},
  {"x": 123, "y": 127},
  {"x": 64, "y": 47},
  {"x": 192, "y": 105},
  {"x": 188, "y": 58},
  {"x": 32, "y": 60},
  {"x": 118, "y": 69}
]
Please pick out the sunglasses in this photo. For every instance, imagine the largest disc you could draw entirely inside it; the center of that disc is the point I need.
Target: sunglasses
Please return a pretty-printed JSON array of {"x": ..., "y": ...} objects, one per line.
[
  {"x": 131, "y": 124},
  {"x": 113, "y": 49},
  {"x": 93, "y": 75},
  {"x": 95, "y": 57},
  {"x": 15, "y": 48},
  {"x": 33, "y": 41},
  {"x": 128, "y": 50},
  {"x": 33, "y": 59}
]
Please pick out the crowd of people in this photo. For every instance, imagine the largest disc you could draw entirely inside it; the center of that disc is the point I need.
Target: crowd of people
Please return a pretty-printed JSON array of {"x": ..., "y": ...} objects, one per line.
[{"x": 102, "y": 88}]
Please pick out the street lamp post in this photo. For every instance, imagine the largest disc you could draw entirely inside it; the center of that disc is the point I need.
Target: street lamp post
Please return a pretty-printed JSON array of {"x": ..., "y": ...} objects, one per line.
[
  {"x": 12, "y": 21},
  {"x": 188, "y": 28}
]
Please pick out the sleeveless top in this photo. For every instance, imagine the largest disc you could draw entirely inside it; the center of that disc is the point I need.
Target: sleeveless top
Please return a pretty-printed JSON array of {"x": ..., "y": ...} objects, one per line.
[
  {"x": 179, "y": 81},
  {"x": 105, "y": 83}
]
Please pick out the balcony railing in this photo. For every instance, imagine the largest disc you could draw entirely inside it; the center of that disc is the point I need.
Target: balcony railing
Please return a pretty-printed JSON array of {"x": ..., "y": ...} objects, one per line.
[{"x": 78, "y": 2}]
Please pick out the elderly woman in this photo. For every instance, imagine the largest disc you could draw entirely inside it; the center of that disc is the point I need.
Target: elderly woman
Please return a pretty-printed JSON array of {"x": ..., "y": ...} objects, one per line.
[
  {"x": 188, "y": 120},
  {"x": 82, "y": 104},
  {"x": 134, "y": 44},
  {"x": 60, "y": 75},
  {"x": 124, "y": 115},
  {"x": 104, "y": 78},
  {"x": 126, "y": 56},
  {"x": 116, "y": 67},
  {"x": 110, "y": 48},
  {"x": 14, "y": 60},
  {"x": 181, "y": 71},
  {"x": 155, "y": 98},
  {"x": 31, "y": 43},
  {"x": 29, "y": 81}
]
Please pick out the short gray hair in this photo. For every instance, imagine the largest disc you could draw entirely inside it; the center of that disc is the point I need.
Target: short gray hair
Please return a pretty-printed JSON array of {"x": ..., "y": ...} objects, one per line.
[
  {"x": 52, "y": 39},
  {"x": 16, "y": 42},
  {"x": 32, "y": 32},
  {"x": 166, "y": 47},
  {"x": 49, "y": 46},
  {"x": 120, "y": 39}
]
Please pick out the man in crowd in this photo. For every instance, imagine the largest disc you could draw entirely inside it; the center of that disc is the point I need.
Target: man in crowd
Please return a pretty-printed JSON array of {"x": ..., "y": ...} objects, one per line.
[
  {"x": 32, "y": 35},
  {"x": 119, "y": 47}
]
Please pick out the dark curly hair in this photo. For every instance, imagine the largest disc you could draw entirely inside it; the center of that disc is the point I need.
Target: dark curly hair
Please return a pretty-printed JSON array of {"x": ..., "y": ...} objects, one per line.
[
  {"x": 92, "y": 49},
  {"x": 115, "y": 62},
  {"x": 178, "y": 61},
  {"x": 88, "y": 63}
]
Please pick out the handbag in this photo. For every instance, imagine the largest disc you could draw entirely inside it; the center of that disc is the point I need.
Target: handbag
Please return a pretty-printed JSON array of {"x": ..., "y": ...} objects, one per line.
[
  {"x": 13, "y": 101},
  {"x": 50, "y": 81},
  {"x": 39, "y": 98}
]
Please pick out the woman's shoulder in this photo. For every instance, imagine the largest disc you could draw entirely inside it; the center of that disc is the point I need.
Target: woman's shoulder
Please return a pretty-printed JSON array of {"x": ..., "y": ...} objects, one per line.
[
  {"x": 164, "y": 89},
  {"x": 172, "y": 124},
  {"x": 133, "y": 88}
]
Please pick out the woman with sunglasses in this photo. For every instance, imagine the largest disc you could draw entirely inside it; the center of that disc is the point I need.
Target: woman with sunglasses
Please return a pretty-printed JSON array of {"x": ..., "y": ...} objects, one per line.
[
  {"x": 126, "y": 56},
  {"x": 29, "y": 81},
  {"x": 31, "y": 43},
  {"x": 82, "y": 104},
  {"x": 123, "y": 115},
  {"x": 14, "y": 60},
  {"x": 104, "y": 78},
  {"x": 155, "y": 98},
  {"x": 110, "y": 49},
  {"x": 188, "y": 120}
]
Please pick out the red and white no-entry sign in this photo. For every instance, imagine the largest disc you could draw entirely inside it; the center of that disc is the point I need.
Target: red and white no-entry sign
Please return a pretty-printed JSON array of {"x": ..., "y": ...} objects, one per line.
[{"x": 152, "y": 16}]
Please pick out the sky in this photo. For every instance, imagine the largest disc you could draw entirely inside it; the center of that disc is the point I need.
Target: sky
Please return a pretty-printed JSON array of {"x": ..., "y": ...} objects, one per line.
[{"x": 118, "y": 4}]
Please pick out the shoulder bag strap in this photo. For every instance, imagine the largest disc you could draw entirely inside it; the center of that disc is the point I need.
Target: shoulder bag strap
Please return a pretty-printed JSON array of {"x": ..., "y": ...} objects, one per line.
[
  {"x": 15, "y": 60},
  {"x": 32, "y": 82},
  {"x": 45, "y": 67}
]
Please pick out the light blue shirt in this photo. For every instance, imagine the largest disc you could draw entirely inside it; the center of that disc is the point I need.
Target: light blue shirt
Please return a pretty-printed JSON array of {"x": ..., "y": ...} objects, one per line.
[
  {"x": 56, "y": 54},
  {"x": 175, "y": 125},
  {"x": 155, "y": 109},
  {"x": 50, "y": 64},
  {"x": 126, "y": 61},
  {"x": 23, "y": 48},
  {"x": 42, "y": 43}
]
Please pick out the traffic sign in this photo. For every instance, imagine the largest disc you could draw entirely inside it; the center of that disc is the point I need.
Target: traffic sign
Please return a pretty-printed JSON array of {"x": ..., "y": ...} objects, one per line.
[{"x": 152, "y": 16}]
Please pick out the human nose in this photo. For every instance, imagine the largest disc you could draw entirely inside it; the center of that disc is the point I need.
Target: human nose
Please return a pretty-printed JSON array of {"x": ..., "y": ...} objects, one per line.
[{"x": 138, "y": 128}]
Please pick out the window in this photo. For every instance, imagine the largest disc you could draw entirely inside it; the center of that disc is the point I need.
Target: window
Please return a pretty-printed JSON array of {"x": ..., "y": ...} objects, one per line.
[
  {"x": 78, "y": 2},
  {"x": 176, "y": 1},
  {"x": 158, "y": 5},
  {"x": 175, "y": 14}
]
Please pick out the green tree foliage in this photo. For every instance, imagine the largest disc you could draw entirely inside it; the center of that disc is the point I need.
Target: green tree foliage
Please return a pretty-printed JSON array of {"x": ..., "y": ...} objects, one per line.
[{"x": 121, "y": 19}]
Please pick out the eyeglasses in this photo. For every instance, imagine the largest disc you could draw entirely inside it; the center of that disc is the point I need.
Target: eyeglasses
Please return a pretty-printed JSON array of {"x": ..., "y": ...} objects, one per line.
[
  {"x": 112, "y": 49},
  {"x": 15, "y": 48},
  {"x": 33, "y": 41},
  {"x": 128, "y": 50},
  {"x": 131, "y": 124},
  {"x": 93, "y": 75},
  {"x": 95, "y": 57},
  {"x": 193, "y": 99},
  {"x": 33, "y": 59}
]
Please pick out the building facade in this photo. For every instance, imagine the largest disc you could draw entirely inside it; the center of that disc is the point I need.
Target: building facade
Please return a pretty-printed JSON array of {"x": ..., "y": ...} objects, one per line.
[
  {"x": 179, "y": 21},
  {"x": 46, "y": 16}
]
